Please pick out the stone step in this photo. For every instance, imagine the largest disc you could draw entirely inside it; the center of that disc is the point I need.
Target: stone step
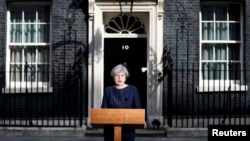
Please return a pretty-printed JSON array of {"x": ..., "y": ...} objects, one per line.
[
  {"x": 139, "y": 132},
  {"x": 82, "y": 131}
]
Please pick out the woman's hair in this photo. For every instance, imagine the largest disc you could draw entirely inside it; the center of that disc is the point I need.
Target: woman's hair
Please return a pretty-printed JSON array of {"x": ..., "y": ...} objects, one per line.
[{"x": 119, "y": 68}]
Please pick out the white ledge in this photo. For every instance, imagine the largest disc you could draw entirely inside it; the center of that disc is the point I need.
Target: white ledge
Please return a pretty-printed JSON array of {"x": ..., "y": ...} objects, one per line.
[
  {"x": 225, "y": 88},
  {"x": 27, "y": 90}
]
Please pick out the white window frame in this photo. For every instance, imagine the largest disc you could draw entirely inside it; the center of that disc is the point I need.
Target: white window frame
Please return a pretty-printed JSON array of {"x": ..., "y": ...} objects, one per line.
[
  {"x": 221, "y": 85},
  {"x": 23, "y": 86}
]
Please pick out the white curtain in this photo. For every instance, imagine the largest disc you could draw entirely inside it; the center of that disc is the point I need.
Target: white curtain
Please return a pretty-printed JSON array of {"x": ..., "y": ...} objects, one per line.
[
  {"x": 16, "y": 66},
  {"x": 217, "y": 57},
  {"x": 34, "y": 29},
  {"x": 214, "y": 56}
]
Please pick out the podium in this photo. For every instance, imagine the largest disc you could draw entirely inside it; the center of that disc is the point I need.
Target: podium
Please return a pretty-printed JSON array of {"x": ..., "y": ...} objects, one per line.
[{"x": 117, "y": 117}]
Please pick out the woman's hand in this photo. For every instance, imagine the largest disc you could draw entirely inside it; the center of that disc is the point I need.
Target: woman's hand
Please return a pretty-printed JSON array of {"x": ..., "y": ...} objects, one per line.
[{"x": 145, "y": 124}]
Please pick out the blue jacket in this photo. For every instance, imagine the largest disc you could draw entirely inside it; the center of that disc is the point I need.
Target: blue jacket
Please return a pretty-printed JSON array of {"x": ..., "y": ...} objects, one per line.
[{"x": 127, "y": 97}]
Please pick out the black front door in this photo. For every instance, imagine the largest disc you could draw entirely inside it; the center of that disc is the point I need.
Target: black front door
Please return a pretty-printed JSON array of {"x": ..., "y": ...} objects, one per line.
[{"x": 133, "y": 53}]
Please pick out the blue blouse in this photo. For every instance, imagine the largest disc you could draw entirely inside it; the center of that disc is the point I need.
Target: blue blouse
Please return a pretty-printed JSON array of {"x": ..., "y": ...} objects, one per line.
[{"x": 127, "y": 97}]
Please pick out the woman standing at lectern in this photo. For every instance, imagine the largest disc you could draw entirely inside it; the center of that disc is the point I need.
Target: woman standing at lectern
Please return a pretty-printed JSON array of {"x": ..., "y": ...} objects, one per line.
[{"x": 120, "y": 95}]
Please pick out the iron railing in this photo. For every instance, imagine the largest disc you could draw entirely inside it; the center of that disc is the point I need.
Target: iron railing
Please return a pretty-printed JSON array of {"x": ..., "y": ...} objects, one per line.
[
  {"x": 59, "y": 103},
  {"x": 191, "y": 102},
  {"x": 187, "y": 101}
]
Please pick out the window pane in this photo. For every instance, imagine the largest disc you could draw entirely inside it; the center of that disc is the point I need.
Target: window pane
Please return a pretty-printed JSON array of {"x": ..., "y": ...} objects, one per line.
[
  {"x": 16, "y": 54},
  {"x": 43, "y": 73},
  {"x": 16, "y": 33},
  {"x": 207, "y": 71},
  {"x": 220, "y": 52},
  {"x": 221, "y": 12},
  {"x": 207, "y": 12},
  {"x": 234, "y": 52},
  {"x": 30, "y": 73},
  {"x": 16, "y": 73},
  {"x": 214, "y": 71},
  {"x": 207, "y": 31},
  {"x": 234, "y": 12},
  {"x": 43, "y": 33},
  {"x": 234, "y": 31},
  {"x": 43, "y": 14},
  {"x": 207, "y": 52},
  {"x": 30, "y": 54},
  {"x": 35, "y": 25},
  {"x": 43, "y": 54},
  {"x": 15, "y": 14},
  {"x": 220, "y": 70},
  {"x": 29, "y": 14},
  {"x": 30, "y": 33},
  {"x": 221, "y": 31}
]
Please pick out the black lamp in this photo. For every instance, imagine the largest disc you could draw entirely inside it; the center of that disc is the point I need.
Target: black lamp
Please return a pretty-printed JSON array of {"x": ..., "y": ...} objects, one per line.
[{"x": 124, "y": 4}]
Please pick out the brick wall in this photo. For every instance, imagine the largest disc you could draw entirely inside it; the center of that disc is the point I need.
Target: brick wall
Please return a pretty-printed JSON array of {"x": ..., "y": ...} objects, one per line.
[
  {"x": 60, "y": 54},
  {"x": 185, "y": 51},
  {"x": 2, "y": 35}
]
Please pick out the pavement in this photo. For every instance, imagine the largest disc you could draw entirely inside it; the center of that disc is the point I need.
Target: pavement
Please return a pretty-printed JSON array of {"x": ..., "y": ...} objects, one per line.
[
  {"x": 23, "y": 138},
  {"x": 77, "y": 134}
]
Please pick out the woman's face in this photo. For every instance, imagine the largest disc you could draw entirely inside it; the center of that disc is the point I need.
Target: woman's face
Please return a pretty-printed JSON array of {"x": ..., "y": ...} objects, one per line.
[{"x": 120, "y": 78}]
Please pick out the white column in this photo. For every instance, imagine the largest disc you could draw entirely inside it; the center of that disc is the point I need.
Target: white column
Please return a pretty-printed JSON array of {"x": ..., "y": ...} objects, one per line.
[
  {"x": 90, "y": 57},
  {"x": 155, "y": 91}
]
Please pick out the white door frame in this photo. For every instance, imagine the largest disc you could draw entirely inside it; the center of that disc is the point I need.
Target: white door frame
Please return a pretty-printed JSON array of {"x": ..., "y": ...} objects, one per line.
[{"x": 154, "y": 29}]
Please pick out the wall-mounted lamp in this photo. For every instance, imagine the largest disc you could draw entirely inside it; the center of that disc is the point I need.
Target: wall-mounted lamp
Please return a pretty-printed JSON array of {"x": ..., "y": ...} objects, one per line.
[{"x": 126, "y": 6}]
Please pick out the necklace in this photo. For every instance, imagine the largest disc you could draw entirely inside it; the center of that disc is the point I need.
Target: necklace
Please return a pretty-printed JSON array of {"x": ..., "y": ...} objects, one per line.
[{"x": 121, "y": 86}]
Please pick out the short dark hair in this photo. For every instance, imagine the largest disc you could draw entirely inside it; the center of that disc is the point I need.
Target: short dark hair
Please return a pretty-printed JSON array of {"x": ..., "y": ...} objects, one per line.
[{"x": 119, "y": 68}]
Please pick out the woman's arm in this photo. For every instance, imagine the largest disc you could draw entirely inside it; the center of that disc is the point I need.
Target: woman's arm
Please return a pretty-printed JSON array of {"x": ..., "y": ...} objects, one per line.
[
  {"x": 137, "y": 100},
  {"x": 104, "y": 100}
]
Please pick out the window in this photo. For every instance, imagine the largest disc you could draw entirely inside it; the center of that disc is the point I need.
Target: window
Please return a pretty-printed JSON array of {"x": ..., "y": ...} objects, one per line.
[
  {"x": 221, "y": 44},
  {"x": 28, "y": 45},
  {"x": 125, "y": 24}
]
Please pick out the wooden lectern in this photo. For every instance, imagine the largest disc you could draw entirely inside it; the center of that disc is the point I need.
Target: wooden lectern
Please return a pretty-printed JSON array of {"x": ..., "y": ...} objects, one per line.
[{"x": 117, "y": 117}]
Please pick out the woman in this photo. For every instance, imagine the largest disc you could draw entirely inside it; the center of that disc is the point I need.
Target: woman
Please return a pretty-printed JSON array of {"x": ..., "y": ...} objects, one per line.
[{"x": 121, "y": 95}]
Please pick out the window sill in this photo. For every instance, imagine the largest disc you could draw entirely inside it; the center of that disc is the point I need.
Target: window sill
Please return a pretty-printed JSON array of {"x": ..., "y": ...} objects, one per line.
[
  {"x": 231, "y": 88},
  {"x": 27, "y": 90}
]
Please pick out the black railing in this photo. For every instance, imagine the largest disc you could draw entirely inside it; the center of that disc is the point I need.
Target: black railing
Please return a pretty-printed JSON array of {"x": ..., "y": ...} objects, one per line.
[
  {"x": 192, "y": 101},
  {"x": 59, "y": 103},
  {"x": 189, "y": 102}
]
